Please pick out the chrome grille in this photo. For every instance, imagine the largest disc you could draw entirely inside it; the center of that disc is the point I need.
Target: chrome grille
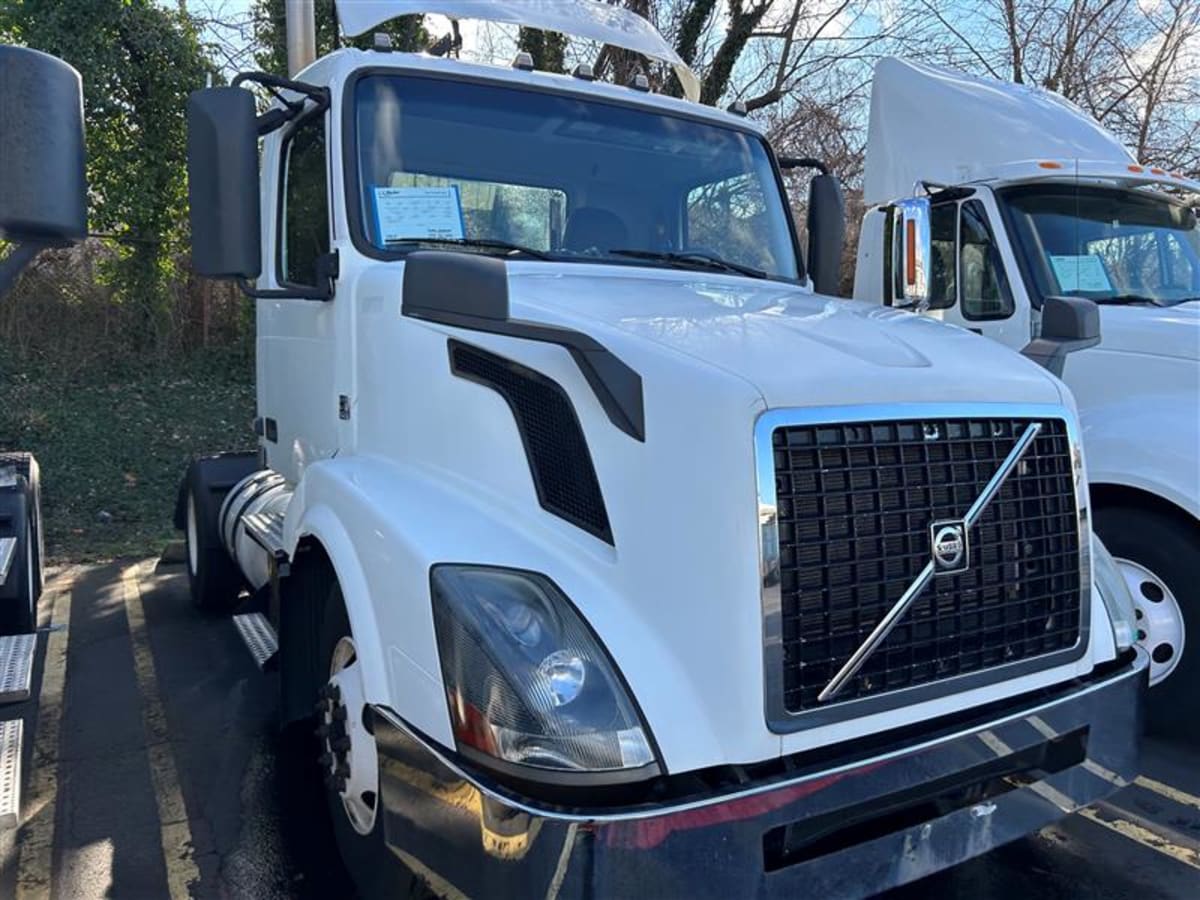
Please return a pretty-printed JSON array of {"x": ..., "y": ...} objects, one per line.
[{"x": 850, "y": 522}]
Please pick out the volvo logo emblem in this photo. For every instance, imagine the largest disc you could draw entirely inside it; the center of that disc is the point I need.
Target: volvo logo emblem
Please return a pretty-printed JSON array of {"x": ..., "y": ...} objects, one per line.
[{"x": 949, "y": 544}]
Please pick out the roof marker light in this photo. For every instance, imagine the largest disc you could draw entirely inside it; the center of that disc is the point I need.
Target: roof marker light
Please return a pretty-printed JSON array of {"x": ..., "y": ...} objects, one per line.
[
  {"x": 738, "y": 108},
  {"x": 1157, "y": 171},
  {"x": 1137, "y": 169},
  {"x": 584, "y": 72},
  {"x": 1047, "y": 164},
  {"x": 382, "y": 42},
  {"x": 524, "y": 62},
  {"x": 640, "y": 83}
]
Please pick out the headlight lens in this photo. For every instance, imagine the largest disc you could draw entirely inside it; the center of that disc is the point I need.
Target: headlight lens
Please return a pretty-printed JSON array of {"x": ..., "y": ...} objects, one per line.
[
  {"x": 1115, "y": 594},
  {"x": 527, "y": 682}
]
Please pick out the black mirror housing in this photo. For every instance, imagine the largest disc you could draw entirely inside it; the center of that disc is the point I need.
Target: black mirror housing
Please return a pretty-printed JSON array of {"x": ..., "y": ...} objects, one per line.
[
  {"x": 826, "y": 233},
  {"x": 43, "y": 186},
  {"x": 222, "y": 155},
  {"x": 1068, "y": 324}
]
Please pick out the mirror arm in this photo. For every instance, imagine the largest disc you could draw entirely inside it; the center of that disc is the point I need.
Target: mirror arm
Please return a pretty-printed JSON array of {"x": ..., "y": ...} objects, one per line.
[
  {"x": 15, "y": 262},
  {"x": 787, "y": 163},
  {"x": 327, "y": 272},
  {"x": 277, "y": 118}
]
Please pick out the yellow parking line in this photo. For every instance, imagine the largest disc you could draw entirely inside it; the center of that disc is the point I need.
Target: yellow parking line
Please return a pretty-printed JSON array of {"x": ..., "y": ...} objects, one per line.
[
  {"x": 1144, "y": 836},
  {"x": 176, "y": 832},
  {"x": 35, "y": 841},
  {"x": 1165, "y": 790}
]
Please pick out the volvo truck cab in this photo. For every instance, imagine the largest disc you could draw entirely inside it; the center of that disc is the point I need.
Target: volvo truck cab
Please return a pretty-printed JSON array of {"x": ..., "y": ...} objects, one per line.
[
  {"x": 602, "y": 553},
  {"x": 1025, "y": 204}
]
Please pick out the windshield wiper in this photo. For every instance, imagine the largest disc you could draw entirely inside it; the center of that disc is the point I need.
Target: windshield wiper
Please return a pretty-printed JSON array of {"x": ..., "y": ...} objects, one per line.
[
  {"x": 1130, "y": 299},
  {"x": 480, "y": 243},
  {"x": 692, "y": 258}
]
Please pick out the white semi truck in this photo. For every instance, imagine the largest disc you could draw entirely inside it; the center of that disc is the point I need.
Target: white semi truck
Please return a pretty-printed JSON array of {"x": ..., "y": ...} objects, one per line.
[
  {"x": 604, "y": 555},
  {"x": 1014, "y": 196},
  {"x": 43, "y": 203}
]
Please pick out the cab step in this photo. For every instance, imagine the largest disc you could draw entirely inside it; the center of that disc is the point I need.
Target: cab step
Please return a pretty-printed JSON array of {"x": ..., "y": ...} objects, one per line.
[
  {"x": 16, "y": 666},
  {"x": 258, "y": 635},
  {"x": 8, "y": 552},
  {"x": 266, "y": 530},
  {"x": 12, "y": 733}
]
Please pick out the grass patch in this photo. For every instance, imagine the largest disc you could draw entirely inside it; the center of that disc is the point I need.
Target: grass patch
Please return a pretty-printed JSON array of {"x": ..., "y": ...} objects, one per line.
[{"x": 113, "y": 445}]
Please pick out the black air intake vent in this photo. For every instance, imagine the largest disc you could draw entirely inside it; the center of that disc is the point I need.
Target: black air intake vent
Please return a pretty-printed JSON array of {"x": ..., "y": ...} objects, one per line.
[{"x": 557, "y": 451}]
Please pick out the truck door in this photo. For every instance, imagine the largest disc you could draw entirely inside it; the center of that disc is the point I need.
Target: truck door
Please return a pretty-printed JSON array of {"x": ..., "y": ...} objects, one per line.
[
  {"x": 974, "y": 274},
  {"x": 296, "y": 354}
]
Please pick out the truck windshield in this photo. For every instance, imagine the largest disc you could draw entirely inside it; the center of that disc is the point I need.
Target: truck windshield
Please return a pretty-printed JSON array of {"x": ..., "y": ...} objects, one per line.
[
  {"x": 1112, "y": 245},
  {"x": 552, "y": 176}
]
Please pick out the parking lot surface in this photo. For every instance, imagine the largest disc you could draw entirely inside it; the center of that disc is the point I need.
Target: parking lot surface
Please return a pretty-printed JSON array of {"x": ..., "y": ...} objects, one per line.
[{"x": 152, "y": 770}]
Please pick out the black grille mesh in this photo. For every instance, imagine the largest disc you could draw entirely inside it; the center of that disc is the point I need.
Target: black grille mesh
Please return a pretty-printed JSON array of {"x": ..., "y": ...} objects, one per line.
[
  {"x": 558, "y": 455},
  {"x": 855, "y": 502}
]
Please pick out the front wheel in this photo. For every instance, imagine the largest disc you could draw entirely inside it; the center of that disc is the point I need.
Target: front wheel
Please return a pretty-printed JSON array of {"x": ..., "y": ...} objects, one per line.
[
  {"x": 1159, "y": 557},
  {"x": 348, "y": 761}
]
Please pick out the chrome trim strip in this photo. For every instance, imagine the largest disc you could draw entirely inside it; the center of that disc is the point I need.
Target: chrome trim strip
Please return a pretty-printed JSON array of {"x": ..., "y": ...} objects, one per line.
[
  {"x": 910, "y": 595},
  {"x": 779, "y": 719},
  {"x": 1136, "y": 669}
]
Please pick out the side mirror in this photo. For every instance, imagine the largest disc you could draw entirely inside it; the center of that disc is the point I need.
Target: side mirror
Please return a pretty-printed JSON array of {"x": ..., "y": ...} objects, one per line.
[
  {"x": 826, "y": 233},
  {"x": 222, "y": 158},
  {"x": 43, "y": 188},
  {"x": 912, "y": 251},
  {"x": 1068, "y": 324},
  {"x": 443, "y": 286}
]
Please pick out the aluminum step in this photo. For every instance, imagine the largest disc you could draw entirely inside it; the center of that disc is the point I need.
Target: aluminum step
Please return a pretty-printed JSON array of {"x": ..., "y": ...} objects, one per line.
[
  {"x": 259, "y": 637},
  {"x": 16, "y": 666},
  {"x": 266, "y": 530},
  {"x": 11, "y": 734},
  {"x": 8, "y": 552}
]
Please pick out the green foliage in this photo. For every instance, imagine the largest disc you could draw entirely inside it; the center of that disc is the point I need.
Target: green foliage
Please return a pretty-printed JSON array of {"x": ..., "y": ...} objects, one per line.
[
  {"x": 118, "y": 442},
  {"x": 548, "y": 49},
  {"x": 139, "y": 60},
  {"x": 270, "y": 33}
]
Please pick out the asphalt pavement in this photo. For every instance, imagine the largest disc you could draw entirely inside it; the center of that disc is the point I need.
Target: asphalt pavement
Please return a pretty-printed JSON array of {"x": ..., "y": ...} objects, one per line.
[{"x": 152, "y": 769}]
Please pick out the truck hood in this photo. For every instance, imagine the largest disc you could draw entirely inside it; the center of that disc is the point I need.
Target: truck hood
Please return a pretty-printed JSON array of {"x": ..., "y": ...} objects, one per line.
[
  {"x": 795, "y": 348},
  {"x": 1172, "y": 331}
]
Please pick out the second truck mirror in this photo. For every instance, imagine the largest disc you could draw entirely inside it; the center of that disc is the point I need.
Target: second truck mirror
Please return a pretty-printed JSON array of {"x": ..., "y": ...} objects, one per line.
[
  {"x": 912, "y": 249},
  {"x": 826, "y": 233},
  {"x": 43, "y": 191},
  {"x": 222, "y": 155}
]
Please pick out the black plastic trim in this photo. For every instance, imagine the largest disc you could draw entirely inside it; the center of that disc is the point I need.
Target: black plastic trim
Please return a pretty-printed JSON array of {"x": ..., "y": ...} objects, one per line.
[
  {"x": 586, "y": 482},
  {"x": 350, "y": 155},
  {"x": 439, "y": 286}
]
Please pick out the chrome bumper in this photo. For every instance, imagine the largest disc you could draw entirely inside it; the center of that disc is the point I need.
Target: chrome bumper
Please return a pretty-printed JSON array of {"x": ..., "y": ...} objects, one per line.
[{"x": 858, "y": 823}]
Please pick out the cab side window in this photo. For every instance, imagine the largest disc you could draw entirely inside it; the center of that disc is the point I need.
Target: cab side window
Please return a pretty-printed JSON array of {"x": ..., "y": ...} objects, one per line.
[
  {"x": 983, "y": 286},
  {"x": 304, "y": 231},
  {"x": 943, "y": 273}
]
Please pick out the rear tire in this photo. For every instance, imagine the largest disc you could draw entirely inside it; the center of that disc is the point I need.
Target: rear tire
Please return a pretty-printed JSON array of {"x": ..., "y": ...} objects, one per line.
[
  {"x": 213, "y": 579},
  {"x": 1165, "y": 552}
]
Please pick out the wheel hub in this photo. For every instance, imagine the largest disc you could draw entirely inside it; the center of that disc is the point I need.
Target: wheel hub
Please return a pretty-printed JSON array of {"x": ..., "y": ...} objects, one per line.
[
  {"x": 348, "y": 757},
  {"x": 1160, "y": 626}
]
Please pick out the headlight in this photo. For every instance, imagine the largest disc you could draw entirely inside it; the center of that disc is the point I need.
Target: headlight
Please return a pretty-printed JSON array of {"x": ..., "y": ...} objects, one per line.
[
  {"x": 527, "y": 682},
  {"x": 1115, "y": 594}
]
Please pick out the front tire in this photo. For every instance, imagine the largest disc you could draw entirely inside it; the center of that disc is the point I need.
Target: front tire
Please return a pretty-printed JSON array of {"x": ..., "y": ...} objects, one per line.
[
  {"x": 1159, "y": 557},
  {"x": 348, "y": 760}
]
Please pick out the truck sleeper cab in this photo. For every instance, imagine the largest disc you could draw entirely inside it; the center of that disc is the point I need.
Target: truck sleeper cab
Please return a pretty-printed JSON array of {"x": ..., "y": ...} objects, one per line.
[
  {"x": 611, "y": 557},
  {"x": 1059, "y": 208}
]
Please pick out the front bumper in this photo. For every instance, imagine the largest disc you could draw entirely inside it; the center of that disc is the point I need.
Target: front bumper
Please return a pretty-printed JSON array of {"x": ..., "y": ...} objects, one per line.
[{"x": 857, "y": 822}]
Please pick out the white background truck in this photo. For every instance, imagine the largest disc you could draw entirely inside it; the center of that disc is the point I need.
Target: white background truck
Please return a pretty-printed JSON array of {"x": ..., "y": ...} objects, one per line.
[
  {"x": 1025, "y": 197},
  {"x": 43, "y": 203},
  {"x": 603, "y": 555}
]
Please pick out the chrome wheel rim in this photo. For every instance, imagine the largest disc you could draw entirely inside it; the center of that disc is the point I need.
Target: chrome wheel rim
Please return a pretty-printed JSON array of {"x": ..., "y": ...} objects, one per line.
[
  {"x": 349, "y": 761},
  {"x": 1160, "y": 626},
  {"x": 192, "y": 530}
]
